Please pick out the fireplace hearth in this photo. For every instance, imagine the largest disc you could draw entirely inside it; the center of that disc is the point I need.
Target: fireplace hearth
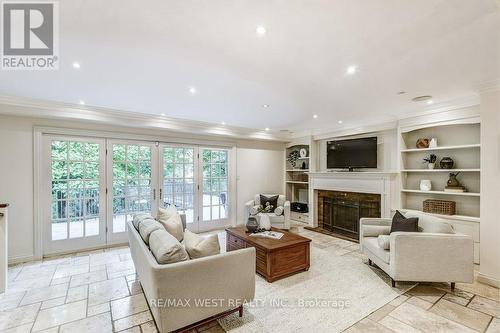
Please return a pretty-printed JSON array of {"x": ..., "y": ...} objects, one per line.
[{"x": 339, "y": 212}]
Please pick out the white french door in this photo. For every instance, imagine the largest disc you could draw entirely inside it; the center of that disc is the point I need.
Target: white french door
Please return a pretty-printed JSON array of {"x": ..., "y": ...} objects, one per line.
[
  {"x": 131, "y": 180},
  {"x": 73, "y": 203},
  {"x": 91, "y": 188},
  {"x": 195, "y": 180}
]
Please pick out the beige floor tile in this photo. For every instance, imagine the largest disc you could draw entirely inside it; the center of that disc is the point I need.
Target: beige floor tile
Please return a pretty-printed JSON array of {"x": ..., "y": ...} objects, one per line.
[
  {"x": 29, "y": 284},
  {"x": 60, "y": 315},
  {"x": 481, "y": 290},
  {"x": 214, "y": 329},
  {"x": 43, "y": 294},
  {"x": 397, "y": 326},
  {"x": 93, "y": 310},
  {"x": 131, "y": 321},
  {"x": 134, "y": 287},
  {"x": 128, "y": 306},
  {"x": 456, "y": 299},
  {"x": 367, "y": 325},
  {"x": 11, "y": 300},
  {"x": 53, "y": 302},
  {"x": 149, "y": 327},
  {"x": 485, "y": 305},
  {"x": 120, "y": 266},
  {"x": 135, "y": 329},
  {"x": 60, "y": 280},
  {"x": 420, "y": 303},
  {"x": 381, "y": 313},
  {"x": 427, "y": 321},
  {"x": 26, "y": 328},
  {"x": 207, "y": 326},
  {"x": 100, "y": 323},
  {"x": 50, "y": 330},
  {"x": 117, "y": 274},
  {"x": 77, "y": 293},
  {"x": 399, "y": 300},
  {"x": 460, "y": 314},
  {"x": 105, "y": 291},
  {"x": 70, "y": 270},
  {"x": 427, "y": 293},
  {"x": 86, "y": 278},
  {"x": 494, "y": 326},
  {"x": 35, "y": 272}
]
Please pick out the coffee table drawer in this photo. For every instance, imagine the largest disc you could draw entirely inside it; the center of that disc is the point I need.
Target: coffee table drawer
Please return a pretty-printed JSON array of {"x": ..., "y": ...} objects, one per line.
[{"x": 235, "y": 242}]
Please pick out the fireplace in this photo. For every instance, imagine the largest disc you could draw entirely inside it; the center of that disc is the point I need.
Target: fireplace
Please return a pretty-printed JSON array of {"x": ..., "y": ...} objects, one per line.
[{"x": 339, "y": 212}]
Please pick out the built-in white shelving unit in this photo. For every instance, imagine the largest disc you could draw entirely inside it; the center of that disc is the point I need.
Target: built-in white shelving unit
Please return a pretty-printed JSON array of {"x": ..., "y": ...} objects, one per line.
[{"x": 459, "y": 140}]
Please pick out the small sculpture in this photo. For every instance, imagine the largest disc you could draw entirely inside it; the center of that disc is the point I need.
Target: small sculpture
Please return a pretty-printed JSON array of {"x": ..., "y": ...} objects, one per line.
[
  {"x": 431, "y": 160},
  {"x": 446, "y": 163},
  {"x": 423, "y": 143}
]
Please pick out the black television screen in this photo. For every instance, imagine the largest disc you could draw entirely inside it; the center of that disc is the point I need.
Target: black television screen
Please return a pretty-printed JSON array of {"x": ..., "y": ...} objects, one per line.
[{"x": 354, "y": 153}]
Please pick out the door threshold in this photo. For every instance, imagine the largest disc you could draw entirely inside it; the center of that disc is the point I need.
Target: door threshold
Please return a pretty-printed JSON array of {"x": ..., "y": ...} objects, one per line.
[{"x": 89, "y": 249}]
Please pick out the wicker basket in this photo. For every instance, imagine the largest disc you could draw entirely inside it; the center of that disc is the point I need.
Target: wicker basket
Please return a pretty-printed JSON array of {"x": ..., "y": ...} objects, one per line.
[{"x": 440, "y": 207}]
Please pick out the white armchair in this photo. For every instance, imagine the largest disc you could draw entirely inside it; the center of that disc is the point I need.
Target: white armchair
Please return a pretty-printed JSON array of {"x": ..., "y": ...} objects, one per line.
[
  {"x": 281, "y": 221},
  {"x": 436, "y": 254}
]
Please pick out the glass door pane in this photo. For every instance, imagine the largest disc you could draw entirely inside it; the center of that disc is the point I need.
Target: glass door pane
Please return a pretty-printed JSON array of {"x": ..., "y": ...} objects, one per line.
[
  {"x": 131, "y": 182},
  {"x": 75, "y": 172},
  {"x": 178, "y": 179},
  {"x": 214, "y": 185}
]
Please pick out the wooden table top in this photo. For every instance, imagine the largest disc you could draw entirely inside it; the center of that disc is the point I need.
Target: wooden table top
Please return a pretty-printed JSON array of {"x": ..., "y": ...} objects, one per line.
[{"x": 288, "y": 239}]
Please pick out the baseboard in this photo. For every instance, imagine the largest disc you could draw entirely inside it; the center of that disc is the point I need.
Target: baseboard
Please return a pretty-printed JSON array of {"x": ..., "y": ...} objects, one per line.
[
  {"x": 483, "y": 278},
  {"x": 22, "y": 259}
]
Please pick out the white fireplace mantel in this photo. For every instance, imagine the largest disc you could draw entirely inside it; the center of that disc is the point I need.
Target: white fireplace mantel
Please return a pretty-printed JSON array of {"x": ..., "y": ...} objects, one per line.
[{"x": 382, "y": 183}]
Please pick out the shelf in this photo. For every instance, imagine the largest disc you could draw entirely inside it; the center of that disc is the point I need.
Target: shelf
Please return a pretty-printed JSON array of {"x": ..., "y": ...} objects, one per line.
[
  {"x": 441, "y": 170},
  {"x": 297, "y": 170},
  {"x": 467, "y": 194},
  {"x": 303, "y": 158},
  {"x": 449, "y": 217},
  {"x": 296, "y": 182},
  {"x": 412, "y": 150}
]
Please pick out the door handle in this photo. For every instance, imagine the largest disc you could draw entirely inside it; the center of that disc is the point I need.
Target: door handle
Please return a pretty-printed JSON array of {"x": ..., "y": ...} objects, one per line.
[
  {"x": 161, "y": 193},
  {"x": 154, "y": 194}
]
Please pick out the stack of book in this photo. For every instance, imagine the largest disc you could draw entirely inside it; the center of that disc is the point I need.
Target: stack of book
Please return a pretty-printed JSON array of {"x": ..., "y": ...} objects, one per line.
[{"x": 455, "y": 189}]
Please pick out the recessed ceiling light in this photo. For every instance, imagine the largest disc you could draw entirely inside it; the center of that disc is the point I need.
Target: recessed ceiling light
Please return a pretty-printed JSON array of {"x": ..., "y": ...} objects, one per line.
[
  {"x": 82, "y": 102},
  {"x": 422, "y": 98},
  {"x": 76, "y": 65},
  {"x": 340, "y": 121},
  {"x": 192, "y": 90},
  {"x": 430, "y": 101},
  {"x": 315, "y": 116},
  {"x": 351, "y": 70},
  {"x": 267, "y": 128},
  {"x": 223, "y": 123},
  {"x": 163, "y": 114},
  {"x": 265, "y": 105},
  {"x": 260, "y": 30}
]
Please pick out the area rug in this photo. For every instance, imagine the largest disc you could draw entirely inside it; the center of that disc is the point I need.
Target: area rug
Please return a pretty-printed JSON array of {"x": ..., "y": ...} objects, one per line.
[{"x": 336, "y": 292}]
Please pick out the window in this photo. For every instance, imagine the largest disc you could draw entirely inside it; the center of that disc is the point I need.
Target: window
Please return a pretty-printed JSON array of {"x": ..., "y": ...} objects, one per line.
[{"x": 215, "y": 184}]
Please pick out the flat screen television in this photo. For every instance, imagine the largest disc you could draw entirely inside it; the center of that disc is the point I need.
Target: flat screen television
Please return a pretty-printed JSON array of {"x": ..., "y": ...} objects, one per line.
[{"x": 353, "y": 153}]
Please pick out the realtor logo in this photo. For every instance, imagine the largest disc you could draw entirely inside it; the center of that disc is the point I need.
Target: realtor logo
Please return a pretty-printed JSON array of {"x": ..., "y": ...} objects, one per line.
[{"x": 30, "y": 36}]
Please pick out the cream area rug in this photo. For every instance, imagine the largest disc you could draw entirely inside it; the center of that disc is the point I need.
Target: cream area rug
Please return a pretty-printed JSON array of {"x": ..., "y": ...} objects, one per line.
[{"x": 338, "y": 290}]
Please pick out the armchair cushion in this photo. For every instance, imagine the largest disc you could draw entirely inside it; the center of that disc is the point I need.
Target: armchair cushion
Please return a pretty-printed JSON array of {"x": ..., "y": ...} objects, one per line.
[
  {"x": 371, "y": 244},
  {"x": 384, "y": 241},
  {"x": 401, "y": 223}
]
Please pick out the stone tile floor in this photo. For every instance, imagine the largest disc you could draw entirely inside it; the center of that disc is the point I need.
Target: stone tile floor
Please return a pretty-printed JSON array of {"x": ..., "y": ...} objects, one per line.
[{"x": 98, "y": 291}]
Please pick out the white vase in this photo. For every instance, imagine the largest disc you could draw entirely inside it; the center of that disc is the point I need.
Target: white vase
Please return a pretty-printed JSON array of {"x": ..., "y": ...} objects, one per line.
[
  {"x": 425, "y": 185},
  {"x": 265, "y": 222},
  {"x": 433, "y": 143},
  {"x": 431, "y": 165}
]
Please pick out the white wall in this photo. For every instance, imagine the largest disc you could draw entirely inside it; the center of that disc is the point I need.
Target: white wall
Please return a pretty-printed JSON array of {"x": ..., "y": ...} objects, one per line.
[
  {"x": 260, "y": 168},
  {"x": 490, "y": 185},
  {"x": 257, "y": 173}
]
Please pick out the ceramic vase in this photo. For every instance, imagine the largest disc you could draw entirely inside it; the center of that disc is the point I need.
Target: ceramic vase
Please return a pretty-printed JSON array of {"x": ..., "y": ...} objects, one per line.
[
  {"x": 252, "y": 224},
  {"x": 425, "y": 185},
  {"x": 433, "y": 143},
  {"x": 265, "y": 222},
  {"x": 431, "y": 165}
]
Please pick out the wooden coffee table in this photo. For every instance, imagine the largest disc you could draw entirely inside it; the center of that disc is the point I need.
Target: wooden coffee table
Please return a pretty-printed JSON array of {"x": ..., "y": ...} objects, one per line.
[{"x": 275, "y": 258}]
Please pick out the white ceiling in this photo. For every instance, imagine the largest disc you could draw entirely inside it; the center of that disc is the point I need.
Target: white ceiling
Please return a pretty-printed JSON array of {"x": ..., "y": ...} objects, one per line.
[{"x": 143, "y": 56}]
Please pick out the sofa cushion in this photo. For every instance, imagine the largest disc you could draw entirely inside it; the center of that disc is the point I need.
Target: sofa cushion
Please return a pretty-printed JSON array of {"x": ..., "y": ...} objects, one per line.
[
  {"x": 401, "y": 223},
  {"x": 147, "y": 226},
  {"x": 166, "y": 248},
  {"x": 166, "y": 213},
  {"x": 384, "y": 241},
  {"x": 173, "y": 225},
  {"x": 375, "y": 230},
  {"x": 138, "y": 218},
  {"x": 201, "y": 246},
  {"x": 371, "y": 244},
  {"x": 431, "y": 224}
]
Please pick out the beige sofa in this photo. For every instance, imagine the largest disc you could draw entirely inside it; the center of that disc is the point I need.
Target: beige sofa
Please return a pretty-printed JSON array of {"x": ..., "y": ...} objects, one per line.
[
  {"x": 436, "y": 254},
  {"x": 187, "y": 292},
  {"x": 278, "y": 221}
]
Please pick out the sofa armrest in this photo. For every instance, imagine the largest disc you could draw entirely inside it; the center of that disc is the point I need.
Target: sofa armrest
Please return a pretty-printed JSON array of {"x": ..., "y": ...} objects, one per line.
[
  {"x": 248, "y": 206},
  {"x": 373, "y": 227},
  {"x": 286, "y": 213},
  {"x": 375, "y": 221},
  {"x": 420, "y": 256}
]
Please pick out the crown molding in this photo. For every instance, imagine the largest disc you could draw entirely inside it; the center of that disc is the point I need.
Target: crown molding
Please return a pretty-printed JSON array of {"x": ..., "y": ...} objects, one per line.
[
  {"x": 28, "y": 107},
  {"x": 489, "y": 86}
]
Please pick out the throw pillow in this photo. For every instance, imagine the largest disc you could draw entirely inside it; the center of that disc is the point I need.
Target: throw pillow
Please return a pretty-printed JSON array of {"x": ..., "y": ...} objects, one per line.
[
  {"x": 198, "y": 246},
  {"x": 278, "y": 211},
  {"x": 271, "y": 200},
  {"x": 138, "y": 218},
  {"x": 174, "y": 226},
  {"x": 146, "y": 227},
  {"x": 401, "y": 223},
  {"x": 166, "y": 248},
  {"x": 166, "y": 213},
  {"x": 384, "y": 241}
]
